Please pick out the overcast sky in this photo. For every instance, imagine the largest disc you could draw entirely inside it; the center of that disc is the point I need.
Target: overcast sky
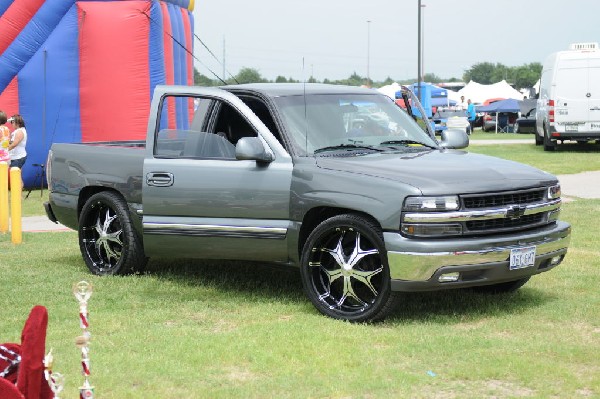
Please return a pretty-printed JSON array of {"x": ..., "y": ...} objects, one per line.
[{"x": 274, "y": 36}]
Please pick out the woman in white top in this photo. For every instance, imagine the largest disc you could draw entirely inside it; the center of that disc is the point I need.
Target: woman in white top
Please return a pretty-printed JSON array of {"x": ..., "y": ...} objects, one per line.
[{"x": 18, "y": 141}]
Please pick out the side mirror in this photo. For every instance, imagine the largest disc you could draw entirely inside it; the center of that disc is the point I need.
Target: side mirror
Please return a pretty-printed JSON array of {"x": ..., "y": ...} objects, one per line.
[
  {"x": 252, "y": 148},
  {"x": 454, "y": 138}
]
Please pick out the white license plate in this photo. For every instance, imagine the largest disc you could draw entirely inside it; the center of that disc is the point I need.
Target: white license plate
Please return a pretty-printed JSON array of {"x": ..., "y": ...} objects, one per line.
[
  {"x": 521, "y": 258},
  {"x": 571, "y": 128}
]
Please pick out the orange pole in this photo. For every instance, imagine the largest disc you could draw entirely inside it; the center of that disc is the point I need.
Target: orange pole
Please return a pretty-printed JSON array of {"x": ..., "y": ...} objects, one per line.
[
  {"x": 3, "y": 197},
  {"x": 16, "y": 234}
]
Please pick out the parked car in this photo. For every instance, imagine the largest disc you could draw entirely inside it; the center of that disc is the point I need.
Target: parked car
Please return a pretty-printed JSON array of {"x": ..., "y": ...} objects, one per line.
[
  {"x": 451, "y": 119},
  {"x": 526, "y": 123},
  {"x": 506, "y": 119}
]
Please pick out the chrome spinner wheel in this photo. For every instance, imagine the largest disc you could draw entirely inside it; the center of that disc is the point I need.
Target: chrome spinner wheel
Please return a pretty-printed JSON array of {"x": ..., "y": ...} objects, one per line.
[{"x": 344, "y": 268}]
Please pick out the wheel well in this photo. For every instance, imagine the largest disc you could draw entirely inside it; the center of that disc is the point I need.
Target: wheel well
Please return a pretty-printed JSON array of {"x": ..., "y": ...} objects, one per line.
[
  {"x": 87, "y": 192},
  {"x": 315, "y": 216}
]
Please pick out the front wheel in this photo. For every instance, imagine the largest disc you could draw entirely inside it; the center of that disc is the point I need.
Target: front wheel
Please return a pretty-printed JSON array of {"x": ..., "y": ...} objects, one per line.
[
  {"x": 108, "y": 241},
  {"x": 344, "y": 269}
]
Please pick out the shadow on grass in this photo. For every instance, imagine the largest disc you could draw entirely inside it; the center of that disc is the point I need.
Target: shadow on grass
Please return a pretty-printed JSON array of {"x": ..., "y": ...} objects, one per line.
[
  {"x": 243, "y": 277},
  {"x": 280, "y": 283},
  {"x": 571, "y": 146},
  {"x": 456, "y": 306}
]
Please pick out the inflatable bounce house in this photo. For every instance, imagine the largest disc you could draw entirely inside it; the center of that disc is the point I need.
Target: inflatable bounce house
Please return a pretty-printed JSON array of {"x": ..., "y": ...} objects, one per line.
[{"x": 84, "y": 71}]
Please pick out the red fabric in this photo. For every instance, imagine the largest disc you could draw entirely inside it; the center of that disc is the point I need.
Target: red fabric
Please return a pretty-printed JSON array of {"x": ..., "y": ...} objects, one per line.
[
  {"x": 187, "y": 29},
  {"x": 31, "y": 381},
  {"x": 169, "y": 63},
  {"x": 9, "y": 99},
  {"x": 12, "y": 376},
  {"x": 114, "y": 92},
  {"x": 14, "y": 20},
  {"x": 8, "y": 390}
]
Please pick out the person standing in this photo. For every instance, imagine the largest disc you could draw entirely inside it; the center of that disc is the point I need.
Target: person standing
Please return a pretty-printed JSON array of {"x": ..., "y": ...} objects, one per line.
[
  {"x": 471, "y": 114},
  {"x": 18, "y": 142},
  {"x": 4, "y": 139},
  {"x": 463, "y": 104}
]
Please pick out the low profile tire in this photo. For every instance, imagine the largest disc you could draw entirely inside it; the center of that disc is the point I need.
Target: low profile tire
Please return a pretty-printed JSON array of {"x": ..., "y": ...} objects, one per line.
[
  {"x": 345, "y": 272},
  {"x": 509, "y": 286},
  {"x": 108, "y": 241}
]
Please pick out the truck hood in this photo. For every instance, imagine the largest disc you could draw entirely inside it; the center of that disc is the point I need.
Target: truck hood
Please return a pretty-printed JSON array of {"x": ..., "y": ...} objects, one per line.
[{"x": 439, "y": 172}]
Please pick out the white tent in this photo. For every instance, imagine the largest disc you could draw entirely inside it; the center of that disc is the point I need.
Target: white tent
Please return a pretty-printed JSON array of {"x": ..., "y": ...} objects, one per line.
[
  {"x": 390, "y": 90},
  {"x": 478, "y": 93}
]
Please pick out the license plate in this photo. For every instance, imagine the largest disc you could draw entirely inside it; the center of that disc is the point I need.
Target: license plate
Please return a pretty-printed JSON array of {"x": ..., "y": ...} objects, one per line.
[
  {"x": 521, "y": 258},
  {"x": 571, "y": 128}
]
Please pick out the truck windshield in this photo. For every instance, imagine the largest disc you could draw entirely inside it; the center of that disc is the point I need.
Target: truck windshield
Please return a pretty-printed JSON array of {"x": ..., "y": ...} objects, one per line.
[{"x": 334, "y": 122}]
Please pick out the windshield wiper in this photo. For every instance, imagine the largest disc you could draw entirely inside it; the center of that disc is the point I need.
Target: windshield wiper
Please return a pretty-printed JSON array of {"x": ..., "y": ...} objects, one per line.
[
  {"x": 407, "y": 142},
  {"x": 347, "y": 147}
]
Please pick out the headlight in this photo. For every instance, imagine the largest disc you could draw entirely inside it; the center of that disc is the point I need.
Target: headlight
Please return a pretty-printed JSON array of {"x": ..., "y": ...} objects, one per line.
[
  {"x": 431, "y": 204},
  {"x": 554, "y": 192}
]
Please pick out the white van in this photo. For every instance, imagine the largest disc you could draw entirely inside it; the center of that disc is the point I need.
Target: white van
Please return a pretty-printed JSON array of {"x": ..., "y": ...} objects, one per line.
[{"x": 569, "y": 98}]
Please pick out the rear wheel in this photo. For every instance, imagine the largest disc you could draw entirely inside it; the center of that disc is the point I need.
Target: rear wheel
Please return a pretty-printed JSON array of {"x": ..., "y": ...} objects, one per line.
[
  {"x": 344, "y": 269},
  {"x": 509, "y": 286},
  {"x": 108, "y": 241},
  {"x": 549, "y": 145}
]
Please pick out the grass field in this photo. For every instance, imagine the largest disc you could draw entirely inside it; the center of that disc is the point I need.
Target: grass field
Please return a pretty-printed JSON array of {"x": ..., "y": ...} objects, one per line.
[{"x": 194, "y": 329}]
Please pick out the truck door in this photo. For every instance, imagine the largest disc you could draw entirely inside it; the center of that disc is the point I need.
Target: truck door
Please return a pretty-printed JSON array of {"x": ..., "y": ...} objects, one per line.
[{"x": 199, "y": 200}]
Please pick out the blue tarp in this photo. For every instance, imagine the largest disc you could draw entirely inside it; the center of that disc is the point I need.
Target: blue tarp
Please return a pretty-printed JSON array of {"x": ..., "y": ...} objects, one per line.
[{"x": 508, "y": 105}]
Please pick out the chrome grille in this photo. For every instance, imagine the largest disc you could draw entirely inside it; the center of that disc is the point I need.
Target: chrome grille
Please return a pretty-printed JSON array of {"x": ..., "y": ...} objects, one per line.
[
  {"x": 502, "y": 199},
  {"x": 502, "y": 224}
]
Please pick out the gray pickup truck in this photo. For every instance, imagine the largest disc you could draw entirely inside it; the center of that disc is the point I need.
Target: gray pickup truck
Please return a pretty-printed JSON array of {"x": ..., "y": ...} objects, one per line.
[{"x": 338, "y": 181}]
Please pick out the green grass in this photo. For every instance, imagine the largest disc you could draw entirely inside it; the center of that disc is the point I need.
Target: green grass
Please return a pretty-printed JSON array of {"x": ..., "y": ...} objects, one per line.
[
  {"x": 479, "y": 134},
  {"x": 192, "y": 329},
  {"x": 567, "y": 159}
]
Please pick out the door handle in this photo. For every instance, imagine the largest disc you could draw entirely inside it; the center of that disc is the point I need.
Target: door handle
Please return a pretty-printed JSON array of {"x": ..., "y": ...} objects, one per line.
[{"x": 160, "y": 179}]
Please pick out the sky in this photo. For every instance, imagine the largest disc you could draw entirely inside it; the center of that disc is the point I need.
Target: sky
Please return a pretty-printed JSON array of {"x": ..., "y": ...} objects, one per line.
[{"x": 333, "y": 38}]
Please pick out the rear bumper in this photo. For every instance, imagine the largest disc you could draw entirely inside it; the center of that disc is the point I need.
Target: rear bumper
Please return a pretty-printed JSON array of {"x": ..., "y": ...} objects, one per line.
[
  {"x": 50, "y": 212},
  {"x": 575, "y": 136},
  {"x": 416, "y": 265}
]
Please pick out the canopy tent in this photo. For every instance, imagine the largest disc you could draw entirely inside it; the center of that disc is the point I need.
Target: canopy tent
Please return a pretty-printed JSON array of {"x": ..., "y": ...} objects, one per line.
[
  {"x": 502, "y": 106},
  {"x": 508, "y": 105},
  {"x": 390, "y": 90},
  {"x": 478, "y": 93}
]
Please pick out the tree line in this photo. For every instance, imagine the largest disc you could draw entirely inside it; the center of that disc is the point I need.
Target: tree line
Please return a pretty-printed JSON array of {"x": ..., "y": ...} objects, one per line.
[{"x": 485, "y": 73}]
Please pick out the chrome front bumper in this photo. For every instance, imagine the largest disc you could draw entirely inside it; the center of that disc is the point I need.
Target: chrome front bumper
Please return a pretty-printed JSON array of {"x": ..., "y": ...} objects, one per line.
[{"x": 421, "y": 261}]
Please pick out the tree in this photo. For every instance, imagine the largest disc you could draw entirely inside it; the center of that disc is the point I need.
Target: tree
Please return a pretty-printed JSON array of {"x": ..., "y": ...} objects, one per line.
[
  {"x": 480, "y": 73},
  {"x": 249, "y": 75},
  {"x": 203, "y": 80},
  {"x": 281, "y": 79}
]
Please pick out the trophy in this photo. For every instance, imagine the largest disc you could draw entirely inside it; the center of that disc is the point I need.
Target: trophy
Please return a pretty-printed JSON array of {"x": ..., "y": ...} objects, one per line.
[
  {"x": 83, "y": 291},
  {"x": 56, "y": 381}
]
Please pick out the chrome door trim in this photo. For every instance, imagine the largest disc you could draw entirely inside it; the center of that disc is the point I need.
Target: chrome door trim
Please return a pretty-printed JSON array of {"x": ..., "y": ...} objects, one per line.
[{"x": 214, "y": 230}]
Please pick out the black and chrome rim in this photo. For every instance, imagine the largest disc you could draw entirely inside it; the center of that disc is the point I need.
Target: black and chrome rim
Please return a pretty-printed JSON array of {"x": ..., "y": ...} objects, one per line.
[
  {"x": 102, "y": 237},
  {"x": 345, "y": 271}
]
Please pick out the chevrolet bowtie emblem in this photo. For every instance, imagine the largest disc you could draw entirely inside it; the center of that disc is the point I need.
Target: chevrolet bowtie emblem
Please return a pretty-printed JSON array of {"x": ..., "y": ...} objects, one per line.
[{"x": 515, "y": 211}]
